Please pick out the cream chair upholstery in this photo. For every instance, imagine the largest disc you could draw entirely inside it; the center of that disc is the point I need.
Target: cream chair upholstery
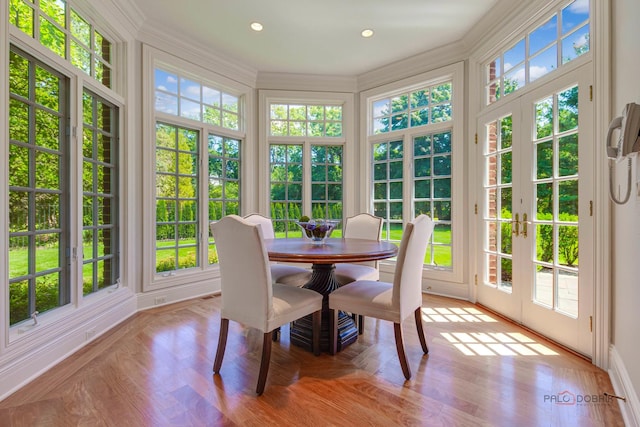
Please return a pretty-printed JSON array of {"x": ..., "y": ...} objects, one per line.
[
  {"x": 362, "y": 226},
  {"x": 249, "y": 297},
  {"x": 280, "y": 273},
  {"x": 390, "y": 301}
]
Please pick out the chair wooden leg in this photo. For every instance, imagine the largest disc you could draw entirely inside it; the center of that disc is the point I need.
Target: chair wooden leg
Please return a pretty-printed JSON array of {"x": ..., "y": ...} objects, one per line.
[
  {"x": 264, "y": 362},
  {"x": 333, "y": 331},
  {"x": 397, "y": 329},
  {"x": 276, "y": 334},
  {"x": 423, "y": 340},
  {"x": 360, "y": 324},
  {"x": 222, "y": 344},
  {"x": 317, "y": 324}
]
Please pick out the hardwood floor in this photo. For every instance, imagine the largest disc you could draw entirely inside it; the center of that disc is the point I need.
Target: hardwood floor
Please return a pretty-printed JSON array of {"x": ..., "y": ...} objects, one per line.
[{"x": 156, "y": 370}]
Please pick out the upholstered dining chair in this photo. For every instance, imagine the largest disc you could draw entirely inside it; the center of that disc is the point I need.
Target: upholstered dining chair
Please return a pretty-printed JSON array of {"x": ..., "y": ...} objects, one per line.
[
  {"x": 280, "y": 273},
  {"x": 248, "y": 294},
  {"x": 361, "y": 226},
  {"x": 390, "y": 301}
]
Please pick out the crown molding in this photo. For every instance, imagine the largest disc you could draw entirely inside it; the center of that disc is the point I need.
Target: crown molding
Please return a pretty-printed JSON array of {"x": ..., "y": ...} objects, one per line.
[
  {"x": 307, "y": 82},
  {"x": 199, "y": 54},
  {"x": 417, "y": 64},
  {"x": 513, "y": 17},
  {"x": 122, "y": 16}
]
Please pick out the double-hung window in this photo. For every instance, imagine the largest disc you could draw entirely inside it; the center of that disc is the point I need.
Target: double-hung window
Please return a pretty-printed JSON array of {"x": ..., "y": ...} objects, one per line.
[
  {"x": 307, "y": 146},
  {"x": 414, "y": 145},
  {"x": 198, "y": 143}
]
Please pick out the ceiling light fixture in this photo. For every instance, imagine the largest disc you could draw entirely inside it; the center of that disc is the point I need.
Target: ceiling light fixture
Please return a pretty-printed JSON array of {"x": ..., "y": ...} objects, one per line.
[
  {"x": 256, "y": 26},
  {"x": 367, "y": 33}
]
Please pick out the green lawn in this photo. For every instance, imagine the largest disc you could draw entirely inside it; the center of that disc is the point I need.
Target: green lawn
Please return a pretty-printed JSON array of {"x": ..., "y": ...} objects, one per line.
[
  {"x": 47, "y": 257},
  {"x": 441, "y": 250}
]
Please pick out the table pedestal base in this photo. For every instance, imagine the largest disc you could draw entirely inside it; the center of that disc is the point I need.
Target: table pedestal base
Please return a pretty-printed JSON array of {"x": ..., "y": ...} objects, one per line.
[{"x": 324, "y": 282}]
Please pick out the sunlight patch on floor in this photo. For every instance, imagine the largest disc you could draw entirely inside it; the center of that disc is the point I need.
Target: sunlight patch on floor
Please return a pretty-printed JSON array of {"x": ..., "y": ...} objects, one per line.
[
  {"x": 444, "y": 314},
  {"x": 496, "y": 344}
]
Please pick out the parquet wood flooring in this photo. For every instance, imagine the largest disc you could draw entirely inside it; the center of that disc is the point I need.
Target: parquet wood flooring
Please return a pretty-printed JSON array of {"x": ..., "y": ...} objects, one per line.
[{"x": 155, "y": 369}]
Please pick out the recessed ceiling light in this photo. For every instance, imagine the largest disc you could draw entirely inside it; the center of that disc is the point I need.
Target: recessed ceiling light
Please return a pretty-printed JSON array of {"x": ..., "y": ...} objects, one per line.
[
  {"x": 256, "y": 26},
  {"x": 367, "y": 33}
]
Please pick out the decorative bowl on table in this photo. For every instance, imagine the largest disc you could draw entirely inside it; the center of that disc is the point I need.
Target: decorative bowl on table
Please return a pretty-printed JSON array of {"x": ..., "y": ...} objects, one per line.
[{"x": 317, "y": 230}]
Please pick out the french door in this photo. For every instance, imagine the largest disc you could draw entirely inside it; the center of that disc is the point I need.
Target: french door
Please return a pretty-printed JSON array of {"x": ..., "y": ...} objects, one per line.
[{"x": 535, "y": 210}]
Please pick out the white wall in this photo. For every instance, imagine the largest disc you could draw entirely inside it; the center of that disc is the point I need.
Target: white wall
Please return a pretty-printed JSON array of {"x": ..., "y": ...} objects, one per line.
[{"x": 625, "y": 262}]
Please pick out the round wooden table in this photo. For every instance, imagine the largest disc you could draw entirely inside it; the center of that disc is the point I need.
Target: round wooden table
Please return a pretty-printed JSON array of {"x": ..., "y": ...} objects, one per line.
[{"x": 323, "y": 258}]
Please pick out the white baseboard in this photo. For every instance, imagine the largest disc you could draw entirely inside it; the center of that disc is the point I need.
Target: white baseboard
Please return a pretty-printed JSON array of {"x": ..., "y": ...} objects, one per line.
[
  {"x": 24, "y": 366},
  {"x": 164, "y": 296},
  {"x": 29, "y": 357},
  {"x": 623, "y": 387}
]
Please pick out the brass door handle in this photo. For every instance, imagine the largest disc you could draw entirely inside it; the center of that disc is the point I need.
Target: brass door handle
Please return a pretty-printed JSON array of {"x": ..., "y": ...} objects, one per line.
[
  {"x": 524, "y": 224},
  {"x": 516, "y": 229}
]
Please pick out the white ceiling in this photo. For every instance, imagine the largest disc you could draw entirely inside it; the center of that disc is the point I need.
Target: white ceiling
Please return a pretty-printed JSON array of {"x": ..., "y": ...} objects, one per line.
[{"x": 315, "y": 36}]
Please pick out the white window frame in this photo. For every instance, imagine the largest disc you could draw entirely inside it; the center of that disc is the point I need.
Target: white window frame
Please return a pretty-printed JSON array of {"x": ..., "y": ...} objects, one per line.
[
  {"x": 153, "y": 58},
  {"x": 523, "y": 36},
  {"x": 455, "y": 74},
  {"x": 19, "y": 335},
  {"x": 268, "y": 97}
]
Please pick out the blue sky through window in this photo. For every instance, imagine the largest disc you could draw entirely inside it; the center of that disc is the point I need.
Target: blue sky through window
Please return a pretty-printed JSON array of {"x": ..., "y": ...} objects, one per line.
[
  {"x": 574, "y": 15},
  {"x": 544, "y": 35}
]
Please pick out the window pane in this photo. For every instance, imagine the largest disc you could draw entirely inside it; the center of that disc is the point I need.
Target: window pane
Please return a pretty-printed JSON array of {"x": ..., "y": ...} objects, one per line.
[
  {"x": 211, "y": 97},
  {"x": 543, "y": 63},
  {"x": 574, "y": 14},
  {"x": 80, "y": 57},
  {"x": 52, "y": 37},
  {"x": 190, "y": 89},
  {"x": 420, "y": 98},
  {"x": 48, "y": 129},
  {"x": 441, "y": 93},
  {"x": 47, "y": 89},
  {"x": 544, "y": 35},
  {"x": 80, "y": 29},
  {"x": 189, "y": 109},
  {"x": 514, "y": 80},
  {"x": 230, "y": 102},
  {"x": 568, "y": 155},
  {"x": 399, "y": 103},
  {"x": 441, "y": 113},
  {"x": 18, "y": 117},
  {"x": 165, "y": 81},
  {"x": 55, "y": 9},
  {"x": 442, "y": 188},
  {"x": 505, "y": 168},
  {"x": 544, "y": 160},
  {"x": 102, "y": 47},
  {"x": 544, "y": 118},
  {"x": 514, "y": 56},
  {"x": 568, "y": 200},
  {"x": 179, "y": 207},
  {"x": 442, "y": 165},
  {"x": 21, "y": 16},
  {"x": 422, "y": 189},
  {"x": 568, "y": 292},
  {"x": 544, "y": 197},
  {"x": 568, "y": 109}
]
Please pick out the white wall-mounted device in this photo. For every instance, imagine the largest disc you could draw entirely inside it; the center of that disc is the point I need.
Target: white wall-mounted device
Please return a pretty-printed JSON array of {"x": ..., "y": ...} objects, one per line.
[{"x": 628, "y": 142}]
